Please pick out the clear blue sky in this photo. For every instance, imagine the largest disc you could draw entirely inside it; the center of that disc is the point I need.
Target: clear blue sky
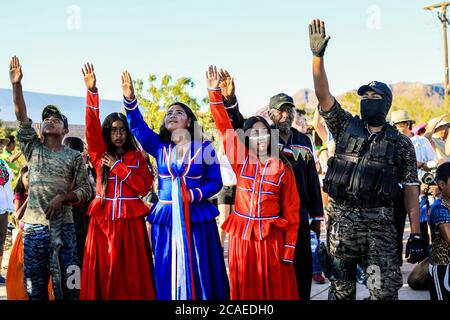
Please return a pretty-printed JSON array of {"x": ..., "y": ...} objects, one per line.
[{"x": 263, "y": 43}]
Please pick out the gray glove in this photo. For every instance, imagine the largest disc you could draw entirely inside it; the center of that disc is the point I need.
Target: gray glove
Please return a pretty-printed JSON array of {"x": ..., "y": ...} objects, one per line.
[{"x": 317, "y": 38}]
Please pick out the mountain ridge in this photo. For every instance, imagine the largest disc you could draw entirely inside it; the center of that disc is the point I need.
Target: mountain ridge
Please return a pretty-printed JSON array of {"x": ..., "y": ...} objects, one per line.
[
  {"x": 433, "y": 94},
  {"x": 69, "y": 105}
]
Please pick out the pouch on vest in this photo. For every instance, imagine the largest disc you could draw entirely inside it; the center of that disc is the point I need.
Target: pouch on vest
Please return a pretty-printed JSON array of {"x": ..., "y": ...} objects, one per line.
[{"x": 338, "y": 177}]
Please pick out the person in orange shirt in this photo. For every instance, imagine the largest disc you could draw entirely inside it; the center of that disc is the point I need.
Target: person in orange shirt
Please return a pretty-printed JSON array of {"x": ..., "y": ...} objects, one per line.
[{"x": 263, "y": 228}]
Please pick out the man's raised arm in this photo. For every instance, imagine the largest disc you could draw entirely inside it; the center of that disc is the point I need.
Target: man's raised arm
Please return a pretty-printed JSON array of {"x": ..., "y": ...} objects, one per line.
[
  {"x": 318, "y": 42},
  {"x": 15, "y": 75}
]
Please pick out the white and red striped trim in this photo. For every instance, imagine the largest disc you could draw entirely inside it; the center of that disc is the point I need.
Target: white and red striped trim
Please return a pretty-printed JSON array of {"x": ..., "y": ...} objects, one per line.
[
  {"x": 200, "y": 192},
  {"x": 115, "y": 164},
  {"x": 191, "y": 195}
]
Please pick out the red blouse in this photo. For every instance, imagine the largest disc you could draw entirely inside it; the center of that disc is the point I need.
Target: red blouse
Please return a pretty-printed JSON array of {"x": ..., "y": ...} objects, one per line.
[
  {"x": 266, "y": 193},
  {"x": 129, "y": 178}
]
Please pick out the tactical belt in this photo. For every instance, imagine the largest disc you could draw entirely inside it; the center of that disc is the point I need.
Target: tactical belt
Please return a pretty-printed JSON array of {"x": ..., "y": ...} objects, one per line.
[{"x": 364, "y": 204}]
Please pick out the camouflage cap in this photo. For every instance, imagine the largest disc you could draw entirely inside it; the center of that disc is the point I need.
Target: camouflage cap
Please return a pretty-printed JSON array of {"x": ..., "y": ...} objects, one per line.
[
  {"x": 51, "y": 109},
  {"x": 279, "y": 100}
]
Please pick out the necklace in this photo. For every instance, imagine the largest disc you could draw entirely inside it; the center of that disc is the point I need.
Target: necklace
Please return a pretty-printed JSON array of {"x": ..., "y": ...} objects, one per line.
[{"x": 445, "y": 203}]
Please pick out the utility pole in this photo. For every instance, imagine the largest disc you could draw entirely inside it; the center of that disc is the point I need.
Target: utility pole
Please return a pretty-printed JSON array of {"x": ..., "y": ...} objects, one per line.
[{"x": 443, "y": 18}]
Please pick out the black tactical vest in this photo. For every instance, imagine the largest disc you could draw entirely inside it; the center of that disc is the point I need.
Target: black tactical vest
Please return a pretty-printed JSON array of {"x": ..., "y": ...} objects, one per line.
[{"x": 364, "y": 172}]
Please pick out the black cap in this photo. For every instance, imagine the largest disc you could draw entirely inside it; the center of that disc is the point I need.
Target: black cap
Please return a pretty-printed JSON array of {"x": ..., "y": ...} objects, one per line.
[
  {"x": 51, "y": 109},
  {"x": 279, "y": 100},
  {"x": 378, "y": 87}
]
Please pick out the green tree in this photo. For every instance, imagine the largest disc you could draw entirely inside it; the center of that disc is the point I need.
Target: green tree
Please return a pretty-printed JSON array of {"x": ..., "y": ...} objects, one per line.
[
  {"x": 419, "y": 109},
  {"x": 351, "y": 102},
  {"x": 21, "y": 162}
]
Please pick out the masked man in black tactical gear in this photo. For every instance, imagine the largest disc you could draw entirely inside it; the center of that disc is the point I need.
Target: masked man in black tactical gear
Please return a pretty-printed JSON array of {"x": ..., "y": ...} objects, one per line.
[{"x": 371, "y": 160}]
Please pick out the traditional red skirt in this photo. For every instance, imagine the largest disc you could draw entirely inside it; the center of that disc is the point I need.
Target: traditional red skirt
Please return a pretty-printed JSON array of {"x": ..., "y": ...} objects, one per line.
[
  {"x": 117, "y": 261},
  {"x": 256, "y": 269}
]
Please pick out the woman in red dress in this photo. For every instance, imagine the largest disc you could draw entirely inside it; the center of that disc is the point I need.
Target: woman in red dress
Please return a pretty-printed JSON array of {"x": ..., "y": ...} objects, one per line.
[
  {"x": 263, "y": 227},
  {"x": 117, "y": 260}
]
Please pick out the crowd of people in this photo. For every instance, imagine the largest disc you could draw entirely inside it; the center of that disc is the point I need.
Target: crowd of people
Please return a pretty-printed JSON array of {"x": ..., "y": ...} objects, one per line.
[{"x": 95, "y": 221}]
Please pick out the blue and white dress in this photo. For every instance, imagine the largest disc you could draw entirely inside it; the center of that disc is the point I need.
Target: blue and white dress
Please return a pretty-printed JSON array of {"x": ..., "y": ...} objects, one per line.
[{"x": 189, "y": 262}]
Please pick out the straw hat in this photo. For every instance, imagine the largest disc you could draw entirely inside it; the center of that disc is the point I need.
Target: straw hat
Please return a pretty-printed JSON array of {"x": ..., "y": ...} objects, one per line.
[
  {"x": 442, "y": 123},
  {"x": 400, "y": 116},
  {"x": 439, "y": 122}
]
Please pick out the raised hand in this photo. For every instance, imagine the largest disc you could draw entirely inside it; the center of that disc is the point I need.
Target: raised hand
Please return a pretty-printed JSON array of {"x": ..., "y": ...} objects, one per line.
[
  {"x": 127, "y": 86},
  {"x": 15, "y": 71},
  {"x": 16, "y": 75},
  {"x": 89, "y": 77},
  {"x": 317, "y": 37},
  {"x": 212, "y": 78},
  {"x": 226, "y": 84}
]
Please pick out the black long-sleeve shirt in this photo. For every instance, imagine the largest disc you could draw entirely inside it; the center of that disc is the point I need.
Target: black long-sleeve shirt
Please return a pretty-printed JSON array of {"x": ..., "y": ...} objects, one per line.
[{"x": 299, "y": 152}]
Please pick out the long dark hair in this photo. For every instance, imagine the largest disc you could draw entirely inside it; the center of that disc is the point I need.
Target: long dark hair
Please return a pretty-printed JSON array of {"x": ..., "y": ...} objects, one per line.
[
  {"x": 130, "y": 142},
  {"x": 194, "y": 129},
  {"x": 12, "y": 140},
  {"x": 74, "y": 143},
  {"x": 249, "y": 123},
  {"x": 20, "y": 188}
]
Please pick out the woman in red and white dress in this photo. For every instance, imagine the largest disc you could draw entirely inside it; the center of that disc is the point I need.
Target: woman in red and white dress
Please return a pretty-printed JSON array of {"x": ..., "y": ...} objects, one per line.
[
  {"x": 117, "y": 260},
  {"x": 263, "y": 227}
]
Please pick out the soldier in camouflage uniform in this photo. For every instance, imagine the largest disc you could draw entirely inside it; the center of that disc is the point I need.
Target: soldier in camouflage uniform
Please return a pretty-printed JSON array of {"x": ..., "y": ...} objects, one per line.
[
  {"x": 372, "y": 158},
  {"x": 49, "y": 232}
]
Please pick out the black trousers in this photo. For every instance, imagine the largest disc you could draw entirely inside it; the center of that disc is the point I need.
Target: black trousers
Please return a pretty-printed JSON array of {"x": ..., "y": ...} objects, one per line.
[
  {"x": 439, "y": 282},
  {"x": 3, "y": 231},
  {"x": 81, "y": 222},
  {"x": 303, "y": 261},
  {"x": 400, "y": 219}
]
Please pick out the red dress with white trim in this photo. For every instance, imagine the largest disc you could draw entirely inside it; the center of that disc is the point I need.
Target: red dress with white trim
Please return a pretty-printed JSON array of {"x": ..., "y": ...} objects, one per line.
[
  {"x": 117, "y": 260},
  {"x": 263, "y": 227}
]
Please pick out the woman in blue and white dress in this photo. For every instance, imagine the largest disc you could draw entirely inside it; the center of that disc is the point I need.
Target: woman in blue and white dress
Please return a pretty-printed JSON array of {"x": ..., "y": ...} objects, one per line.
[{"x": 189, "y": 262}]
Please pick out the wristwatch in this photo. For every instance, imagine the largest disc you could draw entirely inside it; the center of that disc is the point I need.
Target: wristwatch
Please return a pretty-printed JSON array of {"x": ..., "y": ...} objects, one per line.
[{"x": 417, "y": 236}]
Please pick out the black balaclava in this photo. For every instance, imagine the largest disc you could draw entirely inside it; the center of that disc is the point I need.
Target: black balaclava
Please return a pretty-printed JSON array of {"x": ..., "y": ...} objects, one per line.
[{"x": 375, "y": 111}]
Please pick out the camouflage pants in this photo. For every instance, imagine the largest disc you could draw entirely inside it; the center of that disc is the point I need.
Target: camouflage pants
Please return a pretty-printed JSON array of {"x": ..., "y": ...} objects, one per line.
[
  {"x": 366, "y": 236},
  {"x": 38, "y": 262}
]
